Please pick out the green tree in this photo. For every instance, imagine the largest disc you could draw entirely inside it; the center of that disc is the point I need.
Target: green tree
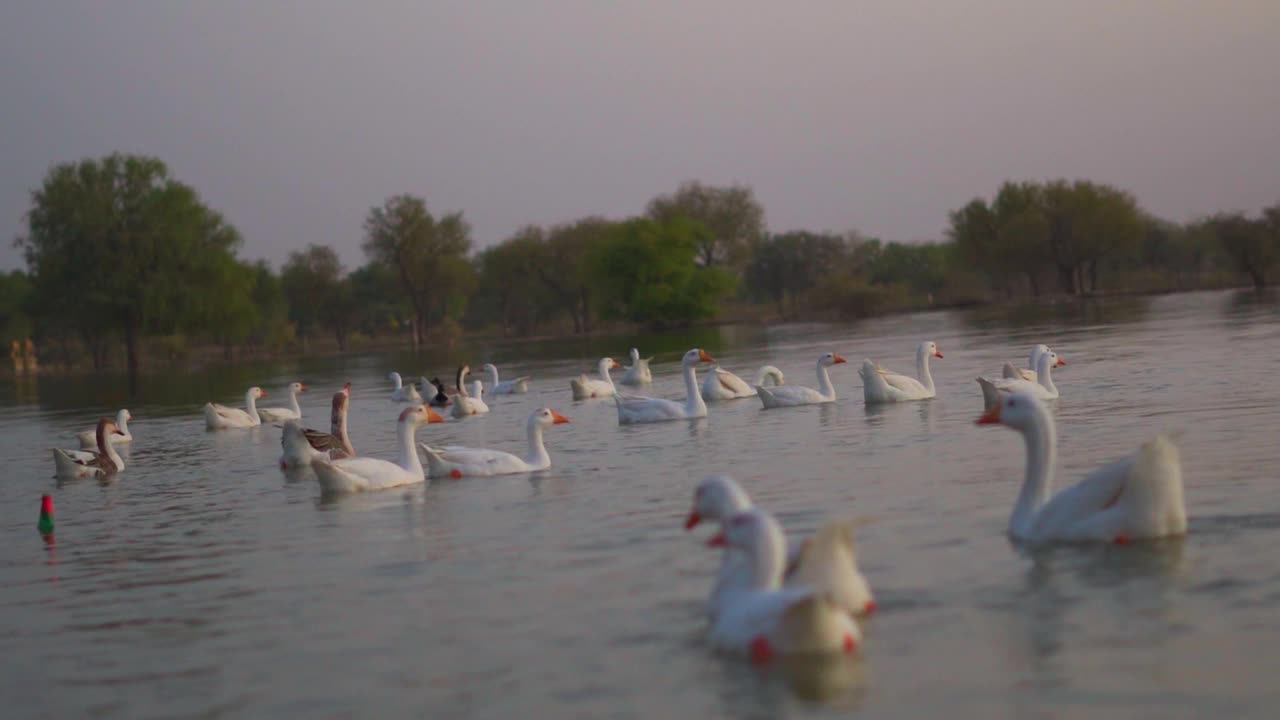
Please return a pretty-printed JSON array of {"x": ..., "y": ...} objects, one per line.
[
  {"x": 1252, "y": 245},
  {"x": 647, "y": 273},
  {"x": 565, "y": 270},
  {"x": 787, "y": 265},
  {"x": 15, "y": 305},
  {"x": 733, "y": 219},
  {"x": 511, "y": 292},
  {"x": 380, "y": 306},
  {"x": 428, "y": 255},
  {"x": 134, "y": 244},
  {"x": 310, "y": 280}
]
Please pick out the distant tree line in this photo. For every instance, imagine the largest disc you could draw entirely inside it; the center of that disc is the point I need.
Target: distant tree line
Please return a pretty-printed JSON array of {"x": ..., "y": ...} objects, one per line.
[{"x": 121, "y": 255}]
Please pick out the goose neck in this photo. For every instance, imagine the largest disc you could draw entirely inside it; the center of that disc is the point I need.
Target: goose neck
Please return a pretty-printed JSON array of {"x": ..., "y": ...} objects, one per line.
[
  {"x": 251, "y": 405},
  {"x": 922, "y": 367},
  {"x": 824, "y": 381},
  {"x": 693, "y": 399},
  {"x": 408, "y": 453},
  {"x": 538, "y": 455},
  {"x": 769, "y": 556},
  {"x": 1041, "y": 445},
  {"x": 1044, "y": 373}
]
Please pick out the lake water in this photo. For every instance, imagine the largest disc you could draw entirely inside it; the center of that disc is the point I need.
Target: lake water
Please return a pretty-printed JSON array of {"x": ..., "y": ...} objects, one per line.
[{"x": 205, "y": 583}]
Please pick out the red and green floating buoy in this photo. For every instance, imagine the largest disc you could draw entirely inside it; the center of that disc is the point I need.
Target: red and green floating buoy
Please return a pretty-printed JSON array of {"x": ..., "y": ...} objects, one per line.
[{"x": 45, "y": 524}]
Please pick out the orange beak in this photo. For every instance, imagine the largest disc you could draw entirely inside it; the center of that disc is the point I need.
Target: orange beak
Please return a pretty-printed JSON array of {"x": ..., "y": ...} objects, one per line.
[
  {"x": 614, "y": 364},
  {"x": 433, "y": 416},
  {"x": 937, "y": 353},
  {"x": 703, "y": 356},
  {"x": 693, "y": 519},
  {"x": 990, "y": 417},
  {"x": 716, "y": 540},
  {"x": 838, "y": 359},
  {"x": 263, "y": 393},
  {"x": 346, "y": 388},
  {"x": 1060, "y": 362},
  {"x": 303, "y": 387},
  {"x": 557, "y": 418}
]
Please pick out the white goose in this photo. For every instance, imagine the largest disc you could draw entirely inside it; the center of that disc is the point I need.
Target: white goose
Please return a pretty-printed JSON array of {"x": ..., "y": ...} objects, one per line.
[
  {"x": 221, "y": 417},
  {"x": 638, "y": 372},
  {"x": 519, "y": 386},
  {"x": 300, "y": 445},
  {"x": 765, "y": 620},
  {"x": 723, "y": 385},
  {"x": 366, "y": 473},
  {"x": 1033, "y": 362},
  {"x": 584, "y": 387},
  {"x": 1043, "y": 388},
  {"x": 793, "y": 395},
  {"x": 477, "y": 396},
  {"x": 76, "y": 464},
  {"x": 293, "y": 412},
  {"x": 456, "y": 462},
  {"x": 1137, "y": 497},
  {"x": 89, "y": 438},
  {"x": 826, "y": 561},
  {"x": 885, "y": 386},
  {"x": 464, "y": 405},
  {"x": 401, "y": 392},
  {"x": 641, "y": 409}
]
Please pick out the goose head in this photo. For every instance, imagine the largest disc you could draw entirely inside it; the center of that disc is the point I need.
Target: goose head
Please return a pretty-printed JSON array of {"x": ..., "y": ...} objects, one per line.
[
  {"x": 717, "y": 497},
  {"x": 608, "y": 364},
  {"x": 395, "y": 378},
  {"x": 124, "y": 415},
  {"x": 1019, "y": 410},
  {"x": 346, "y": 389},
  {"x": 340, "y": 399},
  {"x": 419, "y": 415},
  {"x": 257, "y": 393},
  {"x": 1049, "y": 359},
  {"x": 929, "y": 348},
  {"x": 546, "y": 417},
  {"x": 488, "y": 368},
  {"x": 695, "y": 356},
  {"x": 635, "y": 356},
  {"x": 829, "y": 359},
  {"x": 298, "y": 387}
]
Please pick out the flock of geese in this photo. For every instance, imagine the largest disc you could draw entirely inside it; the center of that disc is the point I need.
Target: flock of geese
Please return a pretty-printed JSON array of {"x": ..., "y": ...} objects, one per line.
[{"x": 768, "y": 598}]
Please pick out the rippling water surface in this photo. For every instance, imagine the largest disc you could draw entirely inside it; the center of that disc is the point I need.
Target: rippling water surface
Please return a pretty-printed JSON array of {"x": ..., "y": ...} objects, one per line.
[{"x": 204, "y": 582}]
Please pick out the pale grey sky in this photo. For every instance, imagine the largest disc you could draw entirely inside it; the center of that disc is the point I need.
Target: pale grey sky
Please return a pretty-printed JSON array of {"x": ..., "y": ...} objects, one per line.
[{"x": 294, "y": 118}]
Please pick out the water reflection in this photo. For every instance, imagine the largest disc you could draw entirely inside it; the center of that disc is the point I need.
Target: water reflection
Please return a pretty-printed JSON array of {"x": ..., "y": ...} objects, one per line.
[{"x": 1059, "y": 312}]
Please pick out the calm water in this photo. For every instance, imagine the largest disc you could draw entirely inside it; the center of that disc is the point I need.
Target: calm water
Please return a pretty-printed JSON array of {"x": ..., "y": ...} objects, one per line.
[{"x": 203, "y": 582}]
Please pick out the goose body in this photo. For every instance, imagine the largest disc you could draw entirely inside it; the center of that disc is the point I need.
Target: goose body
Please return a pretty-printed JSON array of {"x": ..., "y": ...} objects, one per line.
[
  {"x": 721, "y": 384},
  {"x": 638, "y": 372},
  {"x": 1043, "y": 388},
  {"x": 1134, "y": 498},
  {"x": 640, "y": 409},
  {"x": 795, "y": 395},
  {"x": 89, "y": 438},
  {"x": 221, "y": 417},
  {"x": 403, "y": 393},
  {"x": 518, "y": 386},
  {"x": 464, "y": 405},
  {"x": 585, "y": 388},
  {"x": 301, "y": 445},
  {"x": 292, "y": 412},
  {"x": 764, "y": 619},
  {"x": 77, "y": 464},
  {"x": 358, "y": 474},
  {"x": 825, "y": 561},
  {"x": 458, "y": 462},
  {"x": 885, "y": 386}
]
